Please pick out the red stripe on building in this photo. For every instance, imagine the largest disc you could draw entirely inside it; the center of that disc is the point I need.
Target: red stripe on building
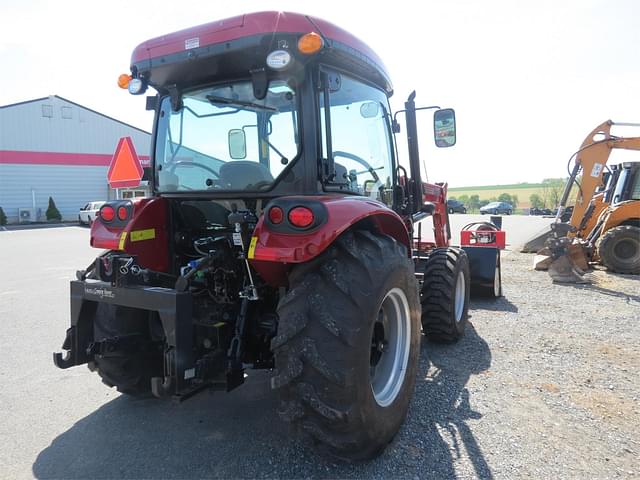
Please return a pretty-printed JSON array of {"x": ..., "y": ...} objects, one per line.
[{"x": 55, "y": 158}]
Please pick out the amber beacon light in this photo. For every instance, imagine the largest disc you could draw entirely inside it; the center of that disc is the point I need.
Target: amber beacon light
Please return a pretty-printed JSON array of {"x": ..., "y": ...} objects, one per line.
[{"x": 310, "y": 43}]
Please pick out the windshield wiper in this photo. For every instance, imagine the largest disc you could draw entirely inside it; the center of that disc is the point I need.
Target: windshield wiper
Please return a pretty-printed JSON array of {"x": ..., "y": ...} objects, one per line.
[{"x": 229, "y": 101}]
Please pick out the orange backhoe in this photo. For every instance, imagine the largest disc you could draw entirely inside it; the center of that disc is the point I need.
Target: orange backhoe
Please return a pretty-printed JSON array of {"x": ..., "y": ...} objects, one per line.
[{"x": 605, "y": 223}]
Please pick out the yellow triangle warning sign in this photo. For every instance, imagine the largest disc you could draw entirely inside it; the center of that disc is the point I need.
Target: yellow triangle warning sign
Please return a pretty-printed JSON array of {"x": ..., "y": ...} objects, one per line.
[{"x": 125, "y": 169}]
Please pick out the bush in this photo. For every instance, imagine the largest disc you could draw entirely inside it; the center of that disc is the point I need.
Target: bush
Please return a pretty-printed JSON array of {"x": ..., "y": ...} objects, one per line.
[
  {"x": 52, "y": 211},
  {"x": 3, "y": 217}
]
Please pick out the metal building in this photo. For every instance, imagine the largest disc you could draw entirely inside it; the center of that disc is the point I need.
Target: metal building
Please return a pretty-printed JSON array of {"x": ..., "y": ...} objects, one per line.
[{"x": 52, "y": 147}]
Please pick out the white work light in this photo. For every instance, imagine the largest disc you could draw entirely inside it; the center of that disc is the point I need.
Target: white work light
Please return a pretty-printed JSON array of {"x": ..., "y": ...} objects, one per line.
[{"x": 278, "y": 59}]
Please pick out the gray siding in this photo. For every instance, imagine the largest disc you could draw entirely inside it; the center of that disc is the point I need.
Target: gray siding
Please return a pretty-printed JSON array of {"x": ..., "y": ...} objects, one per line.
[
  {"x": 58, "y": 126},
  {"x": 24, "y": 128},
  {"x": 70, "y": 186}
]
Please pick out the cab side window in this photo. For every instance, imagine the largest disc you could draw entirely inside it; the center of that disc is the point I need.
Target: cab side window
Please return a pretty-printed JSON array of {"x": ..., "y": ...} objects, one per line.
[{"x": 360, "y": 138}]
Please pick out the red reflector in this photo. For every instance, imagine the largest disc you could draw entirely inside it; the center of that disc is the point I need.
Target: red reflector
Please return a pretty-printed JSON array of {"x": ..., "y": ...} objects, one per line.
[
  {"x": 122, "y": 213},
  {"x": 276, "y": 215},
  {"x": 301, "y": 217},
  {"x": 107, "y": 213}
]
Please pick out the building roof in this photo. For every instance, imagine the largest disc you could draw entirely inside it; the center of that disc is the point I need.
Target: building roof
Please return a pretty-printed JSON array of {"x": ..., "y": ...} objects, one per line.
[{"x": 77, "y": 105}]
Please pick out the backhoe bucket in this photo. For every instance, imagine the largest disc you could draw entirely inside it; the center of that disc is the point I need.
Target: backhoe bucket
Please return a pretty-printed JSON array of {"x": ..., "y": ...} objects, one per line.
[
  {"x": 563, "y": 270},
  {"x": 568, "y": 260}
]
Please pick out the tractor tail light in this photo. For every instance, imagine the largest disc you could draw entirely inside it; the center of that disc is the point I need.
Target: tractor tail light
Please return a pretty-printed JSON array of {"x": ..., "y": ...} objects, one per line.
[
  {"x": 301, "y": 217},
  {"x": 107, "y": 213},
  {"x": 123, "y": 213},
  {"x": 276, "y": 215}
]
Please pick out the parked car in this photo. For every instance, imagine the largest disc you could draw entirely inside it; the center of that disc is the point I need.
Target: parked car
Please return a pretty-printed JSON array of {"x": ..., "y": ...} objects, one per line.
[
  {"x": 540, "y": 211},
  {"x": 87, "y": 214},
  {"x": 497, "y": 208},
  {"x": 456, "y": 206}
]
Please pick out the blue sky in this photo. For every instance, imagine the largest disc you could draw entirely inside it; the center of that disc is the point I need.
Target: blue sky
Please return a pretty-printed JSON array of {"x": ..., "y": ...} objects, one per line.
[{"x": 528, "y": 80}]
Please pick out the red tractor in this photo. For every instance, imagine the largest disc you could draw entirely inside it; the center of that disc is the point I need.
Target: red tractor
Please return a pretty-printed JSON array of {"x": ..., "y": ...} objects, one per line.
[{"x": 280, "y": 234}]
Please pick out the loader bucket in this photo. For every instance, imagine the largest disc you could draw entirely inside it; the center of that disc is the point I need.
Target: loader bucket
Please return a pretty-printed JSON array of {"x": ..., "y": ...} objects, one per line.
[{"x": 536, "y": 242}]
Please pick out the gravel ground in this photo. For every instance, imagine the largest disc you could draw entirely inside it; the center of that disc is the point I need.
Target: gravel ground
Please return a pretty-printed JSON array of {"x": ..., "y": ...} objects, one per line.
[{"x": 544, "y": 384}]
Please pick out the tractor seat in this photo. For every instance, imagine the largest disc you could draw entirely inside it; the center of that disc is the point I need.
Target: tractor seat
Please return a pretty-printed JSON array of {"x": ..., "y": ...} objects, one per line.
[{"x": 242, "y": 174}]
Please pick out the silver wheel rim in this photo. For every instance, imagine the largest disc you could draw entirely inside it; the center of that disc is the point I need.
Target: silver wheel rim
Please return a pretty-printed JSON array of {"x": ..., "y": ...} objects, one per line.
[
  {"x": 496, "y": 282},
  {"x": 460, "y": 295},
  {"x": 390, "y": 345}
]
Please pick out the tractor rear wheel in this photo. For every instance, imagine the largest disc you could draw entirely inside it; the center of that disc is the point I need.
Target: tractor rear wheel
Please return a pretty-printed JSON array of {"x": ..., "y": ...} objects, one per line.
[
  {"x": 445, "y": 295},
  {"x": 129, "y": 370},
  {"x": 619, "y": 249},
  {"x": 347, "y": 346}
]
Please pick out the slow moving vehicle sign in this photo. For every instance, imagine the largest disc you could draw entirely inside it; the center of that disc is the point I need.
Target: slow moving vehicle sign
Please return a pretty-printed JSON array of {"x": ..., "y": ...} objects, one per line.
[{"x": 125, "y": 169}]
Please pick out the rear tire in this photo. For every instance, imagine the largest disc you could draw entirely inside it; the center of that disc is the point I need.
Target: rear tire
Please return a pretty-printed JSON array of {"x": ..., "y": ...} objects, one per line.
[
  {"x": 130, "y": 372},
  {"x": 619, "y": 249},
  {"x": 338, "y": 381},
  {"x": 445, "y": 295},
  {"x": 451, "y": 211}
]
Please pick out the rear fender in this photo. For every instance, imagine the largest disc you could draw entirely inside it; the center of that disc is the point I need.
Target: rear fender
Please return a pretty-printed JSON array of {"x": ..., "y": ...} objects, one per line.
[
  {"x": 144, "y": 234},
  {"x": 275, "y": 247}
]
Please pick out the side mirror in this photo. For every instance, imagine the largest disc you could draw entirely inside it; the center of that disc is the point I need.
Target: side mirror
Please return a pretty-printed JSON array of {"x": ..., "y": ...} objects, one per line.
[
  {"x": 444, "y": 127},
  {"x": 237, "y": 144}
]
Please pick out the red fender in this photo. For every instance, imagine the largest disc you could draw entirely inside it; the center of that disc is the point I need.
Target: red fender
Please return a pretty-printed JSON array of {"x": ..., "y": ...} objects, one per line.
[
  {"x": 144, "y": 234},
  {"x": 272, "y": 251}
]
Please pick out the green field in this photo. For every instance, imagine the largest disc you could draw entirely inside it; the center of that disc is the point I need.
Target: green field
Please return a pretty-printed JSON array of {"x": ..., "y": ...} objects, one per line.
[{"x": 522, "y": 190}]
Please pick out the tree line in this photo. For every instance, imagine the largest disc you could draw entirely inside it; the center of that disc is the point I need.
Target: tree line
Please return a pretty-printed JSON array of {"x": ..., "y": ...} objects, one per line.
[
  {"x": 473, "y": 202},
  {"x": 549, "y": 197}
]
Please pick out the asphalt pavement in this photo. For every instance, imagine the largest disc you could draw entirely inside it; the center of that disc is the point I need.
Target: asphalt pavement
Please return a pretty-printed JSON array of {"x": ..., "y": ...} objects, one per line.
[{"x": 67, "y": 424}]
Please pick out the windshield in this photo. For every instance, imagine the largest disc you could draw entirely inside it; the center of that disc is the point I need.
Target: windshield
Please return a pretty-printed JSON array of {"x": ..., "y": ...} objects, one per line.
[{"x": 223, "y": 138}]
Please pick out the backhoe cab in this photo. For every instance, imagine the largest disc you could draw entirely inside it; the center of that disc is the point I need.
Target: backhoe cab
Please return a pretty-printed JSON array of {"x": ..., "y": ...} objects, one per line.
[{"x": 280, "y": 234}]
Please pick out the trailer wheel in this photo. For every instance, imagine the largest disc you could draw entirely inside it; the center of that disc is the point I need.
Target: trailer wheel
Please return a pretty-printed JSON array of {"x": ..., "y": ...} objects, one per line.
[
  {"x": 347, "y": 346},
  {"x": 129, "y": 371},
  {"x": 494, "y": 291},
  {"x": 619, "y": 249},
  {"x": 445, "y": 295}
]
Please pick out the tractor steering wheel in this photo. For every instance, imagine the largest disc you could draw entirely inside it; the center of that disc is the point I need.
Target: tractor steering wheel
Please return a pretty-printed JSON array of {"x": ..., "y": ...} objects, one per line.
[
  {"x": 355, "y": 158},
  {"x": 177, "y": 163},
  {"x": 376, "y": 180}
]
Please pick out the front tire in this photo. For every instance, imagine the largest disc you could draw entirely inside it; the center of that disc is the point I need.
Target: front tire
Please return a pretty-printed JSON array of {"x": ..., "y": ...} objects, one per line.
[
  {"x": 619, "y": 249},
  {"x": 445, "y": 295},
  {"x": 347, "y": 346}
]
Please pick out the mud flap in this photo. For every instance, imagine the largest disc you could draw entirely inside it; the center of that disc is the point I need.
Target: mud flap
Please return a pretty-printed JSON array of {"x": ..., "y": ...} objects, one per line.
[{"x": 485, "y": 269}]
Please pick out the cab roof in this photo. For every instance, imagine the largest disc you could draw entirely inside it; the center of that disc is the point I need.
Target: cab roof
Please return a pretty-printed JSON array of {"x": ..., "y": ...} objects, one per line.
[{"x": 193, "y": 42}]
